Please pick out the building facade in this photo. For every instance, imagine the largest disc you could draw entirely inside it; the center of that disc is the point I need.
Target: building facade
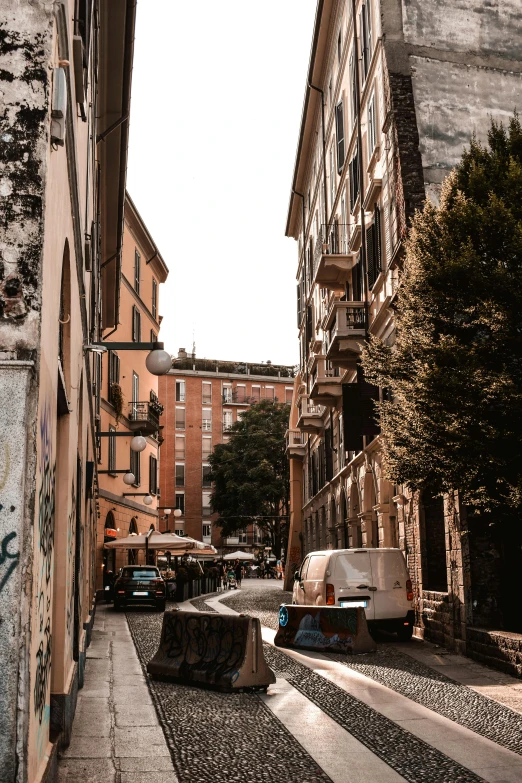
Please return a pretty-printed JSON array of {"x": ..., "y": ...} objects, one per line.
[
  {"x": 202, "y": 399},
  {"x": 392, "y": 97},
  {"x": 66, "y": 73},
  {"x": 129, "y": 402}
]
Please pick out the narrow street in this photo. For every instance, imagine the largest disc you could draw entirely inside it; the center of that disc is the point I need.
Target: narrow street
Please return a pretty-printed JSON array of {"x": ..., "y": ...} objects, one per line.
[{"x": 408, "y": 712}]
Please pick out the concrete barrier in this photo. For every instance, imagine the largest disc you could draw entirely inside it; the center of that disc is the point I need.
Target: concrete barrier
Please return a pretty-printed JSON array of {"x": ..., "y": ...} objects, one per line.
[
  {"x": 324, "y": 629},
  {"x": 218, "y": 651}
]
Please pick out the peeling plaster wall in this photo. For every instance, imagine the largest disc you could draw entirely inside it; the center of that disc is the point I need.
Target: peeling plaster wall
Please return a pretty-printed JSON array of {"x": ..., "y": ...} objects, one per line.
[{"x": 26, "y": 36}]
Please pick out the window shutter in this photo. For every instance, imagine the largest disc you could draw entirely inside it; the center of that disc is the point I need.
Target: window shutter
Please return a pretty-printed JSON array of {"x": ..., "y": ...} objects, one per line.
[
  {"x": 377, "y": 237},
  {"x": 352, "y": 417},
  {"x": 328, "y": 453},
  {"x": 368, "y": 396},
  {"x": 138, "y": 326},
  {"x": 370, "y": 255},
  {"x": 363, "y": 22},
  {"x": 299, "y": 305},
  {"x": 339, "y": 122}
]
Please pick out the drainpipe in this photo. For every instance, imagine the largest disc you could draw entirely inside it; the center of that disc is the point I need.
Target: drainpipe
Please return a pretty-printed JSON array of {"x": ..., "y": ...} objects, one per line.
[
  {"x": 324, "y": 157},
  {"x": 366, "y": 297}
]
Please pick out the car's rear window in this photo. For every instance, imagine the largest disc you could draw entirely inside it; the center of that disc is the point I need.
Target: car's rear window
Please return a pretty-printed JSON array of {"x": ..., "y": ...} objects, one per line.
[
  {"x": 139, "y": 573},
  {"x": 317, "y": 567}
]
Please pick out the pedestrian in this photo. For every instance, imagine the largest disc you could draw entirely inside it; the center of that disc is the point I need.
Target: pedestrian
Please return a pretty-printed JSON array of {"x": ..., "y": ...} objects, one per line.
[{"x": 239, "y": 572}]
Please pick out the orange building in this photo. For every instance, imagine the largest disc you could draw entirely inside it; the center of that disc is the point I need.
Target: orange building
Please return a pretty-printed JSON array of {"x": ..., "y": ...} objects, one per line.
[
  {"x": 203, "y": 398},
  {"x": 129, "y": 400}
]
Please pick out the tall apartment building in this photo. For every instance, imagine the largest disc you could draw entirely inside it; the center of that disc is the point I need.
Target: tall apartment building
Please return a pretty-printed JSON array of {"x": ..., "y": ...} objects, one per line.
[
  {"x": 202, "y": 399},
  {"x": 394, "y": 91},
  {"x": 129, "y": 401},
  {"x": 66, "y": 73}
]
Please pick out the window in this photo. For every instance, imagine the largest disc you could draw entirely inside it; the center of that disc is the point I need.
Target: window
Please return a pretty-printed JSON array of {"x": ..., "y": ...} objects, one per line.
[
  {"x": 372, "y": 127},
  {"x": 180, "y": 391},
  {"x": 180, "y": 475},
  {"x": 206, "y": 419},
  {"x": 288, "y": 395},
  {"x": 112, "y": 450},
  {"x": 206, "y": 397},
  {"x": 258, "y": 535},
  {"x": 154, "y": 299},
  {"x": 136, "y": 325},
  {"x": 373, "y": 248},
  {"x": 339, "y": 46},
  {"x": 243, "y": 537},
  {"x": 137, "y": 270},
  {"x": 114, "y": 371},
  {"x": 333, "y": 183},
  {"x": 269, "y": 393},
  {"x": 207, "y": 532},
  {"x": 316, "y": 567},
  {"x": 353, "y": 174},
  {"x": 206, "y": 447},
  {"x": 227, "y": 392},
  {"x": 205, "y": 503},
  {"x": 153, "y": 475},
  {"x": 135, "y": 394},
  {"x": 227, "y": 421},
  {"x": 241, "y": 392},
  {"x": 135, "y": 466},
  {"x": 205, "y": 479},
  {"x": 339, "y": 130},
  {"x": 153, "y": 336},
  {"x": 353, "y": 96},
  {"x": 180, "y": 447},
  {"x": 256, "y": 393},
  {"x": 180, "y": 501},
  {"x": 365, "y": 25},
  {"x": 180, "y": 418}
]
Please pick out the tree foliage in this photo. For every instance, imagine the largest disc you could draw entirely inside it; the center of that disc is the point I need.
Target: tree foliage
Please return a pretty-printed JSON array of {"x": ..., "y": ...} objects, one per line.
[
  {"x": 455, "y": 371},
  {"x": 251, "y": 474}
]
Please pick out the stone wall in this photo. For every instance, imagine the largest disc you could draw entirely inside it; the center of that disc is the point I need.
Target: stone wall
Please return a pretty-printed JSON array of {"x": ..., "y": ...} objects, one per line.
[{"x": 500, "y": 649}]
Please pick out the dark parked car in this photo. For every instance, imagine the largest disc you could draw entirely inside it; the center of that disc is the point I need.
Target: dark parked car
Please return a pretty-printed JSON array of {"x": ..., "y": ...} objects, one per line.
[{"x": 139, "y": 585}]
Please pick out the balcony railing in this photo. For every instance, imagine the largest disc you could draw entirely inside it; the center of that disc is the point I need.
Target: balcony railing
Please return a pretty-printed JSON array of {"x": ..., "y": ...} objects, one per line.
[
  {"x": 146, "y": 414},
  {"x": 332, "y": 240}
]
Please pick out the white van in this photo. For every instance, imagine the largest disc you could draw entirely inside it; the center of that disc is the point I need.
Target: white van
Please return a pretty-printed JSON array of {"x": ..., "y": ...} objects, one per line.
[{"x": 376, "y": 579}]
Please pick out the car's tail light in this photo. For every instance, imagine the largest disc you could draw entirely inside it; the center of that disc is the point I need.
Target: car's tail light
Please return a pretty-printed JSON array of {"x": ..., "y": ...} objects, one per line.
[
  {"x": 330, "y": 595},
  {"x": 409, "y": 590},
  {"x": 121, "y": 592},
  {"x": 159, "y": 592}
]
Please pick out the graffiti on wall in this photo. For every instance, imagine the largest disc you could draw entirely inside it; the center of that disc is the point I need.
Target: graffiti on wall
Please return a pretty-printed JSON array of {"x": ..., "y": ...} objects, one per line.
[
  {"x": 8, "y": 558},
  {"x": 71, "y": 543},
  {"x": 44, "y": 569}
]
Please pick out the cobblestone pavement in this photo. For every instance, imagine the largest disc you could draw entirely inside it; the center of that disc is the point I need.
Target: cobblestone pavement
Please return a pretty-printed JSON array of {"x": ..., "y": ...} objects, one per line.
[
  {"x": 220, "y": 738},
  {"x": 405, "y": 675}
]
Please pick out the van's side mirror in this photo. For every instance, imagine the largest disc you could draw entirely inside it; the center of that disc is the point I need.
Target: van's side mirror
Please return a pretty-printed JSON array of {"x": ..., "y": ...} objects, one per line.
[{"x": 297, "y": 576}]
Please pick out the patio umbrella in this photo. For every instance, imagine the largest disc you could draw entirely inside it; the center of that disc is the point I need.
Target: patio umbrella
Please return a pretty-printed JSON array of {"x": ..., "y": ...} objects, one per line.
[
  {"x": 239, "y": 555},
  {"x": 170, "y": 541}
]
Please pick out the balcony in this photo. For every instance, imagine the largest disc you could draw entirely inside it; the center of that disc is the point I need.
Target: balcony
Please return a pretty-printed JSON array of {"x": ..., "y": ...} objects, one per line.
[
  {"x": 237, "y": 398},
  {"x": 310, "y": 418},
  {"x": 295, "y": 443},
  {"x": 346, "y": 325},
  {"x": 326, "y": 387},
  {"x": 333, "y": 258},
  {"x": 145, "y": 416}
]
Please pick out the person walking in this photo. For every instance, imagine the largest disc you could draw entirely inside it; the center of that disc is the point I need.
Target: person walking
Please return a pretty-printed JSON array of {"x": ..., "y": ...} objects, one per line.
[{"x": 238, "y": 568}]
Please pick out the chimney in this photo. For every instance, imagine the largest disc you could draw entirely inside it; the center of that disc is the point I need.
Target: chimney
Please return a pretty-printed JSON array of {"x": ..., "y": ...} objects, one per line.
[{"x": 182, "y": 354}]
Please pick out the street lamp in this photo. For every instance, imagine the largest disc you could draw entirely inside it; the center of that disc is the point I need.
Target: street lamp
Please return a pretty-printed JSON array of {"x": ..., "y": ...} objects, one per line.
[
  {"x": 158, "y": 362},
  {"x": 147, "y": 500},
  {"x": 138, "y": 443},
  {"x": 178, "y": 513},
  {"x": 129, "y": 478}
]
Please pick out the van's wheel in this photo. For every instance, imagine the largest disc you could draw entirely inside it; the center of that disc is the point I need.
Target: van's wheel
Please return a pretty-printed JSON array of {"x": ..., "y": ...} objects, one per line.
[{"x": 405, "y": 633}]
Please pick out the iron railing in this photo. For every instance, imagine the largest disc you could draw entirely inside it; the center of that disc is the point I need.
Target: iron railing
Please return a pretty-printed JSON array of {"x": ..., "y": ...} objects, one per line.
[{"x": 146, "y": 412}]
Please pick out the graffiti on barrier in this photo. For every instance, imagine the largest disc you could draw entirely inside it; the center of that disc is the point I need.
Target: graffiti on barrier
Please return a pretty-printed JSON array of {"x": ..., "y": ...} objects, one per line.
[
  {"x": 205, "y": 644},
  {"x": 10, "y": 558},
  {"x": 43, "y": 670}
]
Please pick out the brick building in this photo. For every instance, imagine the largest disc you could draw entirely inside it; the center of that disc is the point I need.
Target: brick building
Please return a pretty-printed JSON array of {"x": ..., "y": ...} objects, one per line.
[
  {"x": 202, "y": 399},
  {"x": 393, "y": 94}
]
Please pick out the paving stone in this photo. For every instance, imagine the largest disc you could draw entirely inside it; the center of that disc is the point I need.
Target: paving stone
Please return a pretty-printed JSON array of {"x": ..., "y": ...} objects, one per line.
[
  {"x": 88, "y": 770},
  {"x": 158, "y": 764},
  {"x": 92, "y": 724},
  {"x": 88, "y": 747},
  {"x": 136, "y": 716},
  {"x": 147, "y": 777}
]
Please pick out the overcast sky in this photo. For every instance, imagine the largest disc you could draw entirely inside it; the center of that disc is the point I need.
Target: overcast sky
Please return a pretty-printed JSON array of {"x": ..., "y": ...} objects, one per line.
[{"x": 217, "y": 93}]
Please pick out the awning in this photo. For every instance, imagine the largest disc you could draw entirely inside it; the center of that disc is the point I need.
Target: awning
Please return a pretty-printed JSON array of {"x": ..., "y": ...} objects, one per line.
[{"x": 239, "y": 555}]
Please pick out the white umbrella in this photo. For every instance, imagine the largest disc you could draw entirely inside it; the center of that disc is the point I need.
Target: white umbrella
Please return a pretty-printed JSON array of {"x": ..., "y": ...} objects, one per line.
[
  {"x": 131, "y": 542},
  {"x": 156, "y": 540},
  {"x": 239, "y": 555}
]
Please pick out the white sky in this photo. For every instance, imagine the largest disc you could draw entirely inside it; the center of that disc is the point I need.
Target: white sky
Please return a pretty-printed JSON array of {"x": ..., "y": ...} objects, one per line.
[{"x": 217, "y": 93}]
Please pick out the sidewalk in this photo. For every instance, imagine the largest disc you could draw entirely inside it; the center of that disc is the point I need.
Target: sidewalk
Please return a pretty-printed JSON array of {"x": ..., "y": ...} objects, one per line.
[{"x": 116, "y": 735}]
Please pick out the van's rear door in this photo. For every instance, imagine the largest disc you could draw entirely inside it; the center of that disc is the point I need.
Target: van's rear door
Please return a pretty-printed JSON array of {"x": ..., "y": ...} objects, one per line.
[
  {"x": 352, "y": 579},
  {"x": 389, "y": 574}
]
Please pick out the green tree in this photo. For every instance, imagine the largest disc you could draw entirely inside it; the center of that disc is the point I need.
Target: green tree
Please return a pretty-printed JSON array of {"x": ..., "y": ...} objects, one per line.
[
  {"x": 454, "y": 418},
  {"x": 251, "y": 474}
]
